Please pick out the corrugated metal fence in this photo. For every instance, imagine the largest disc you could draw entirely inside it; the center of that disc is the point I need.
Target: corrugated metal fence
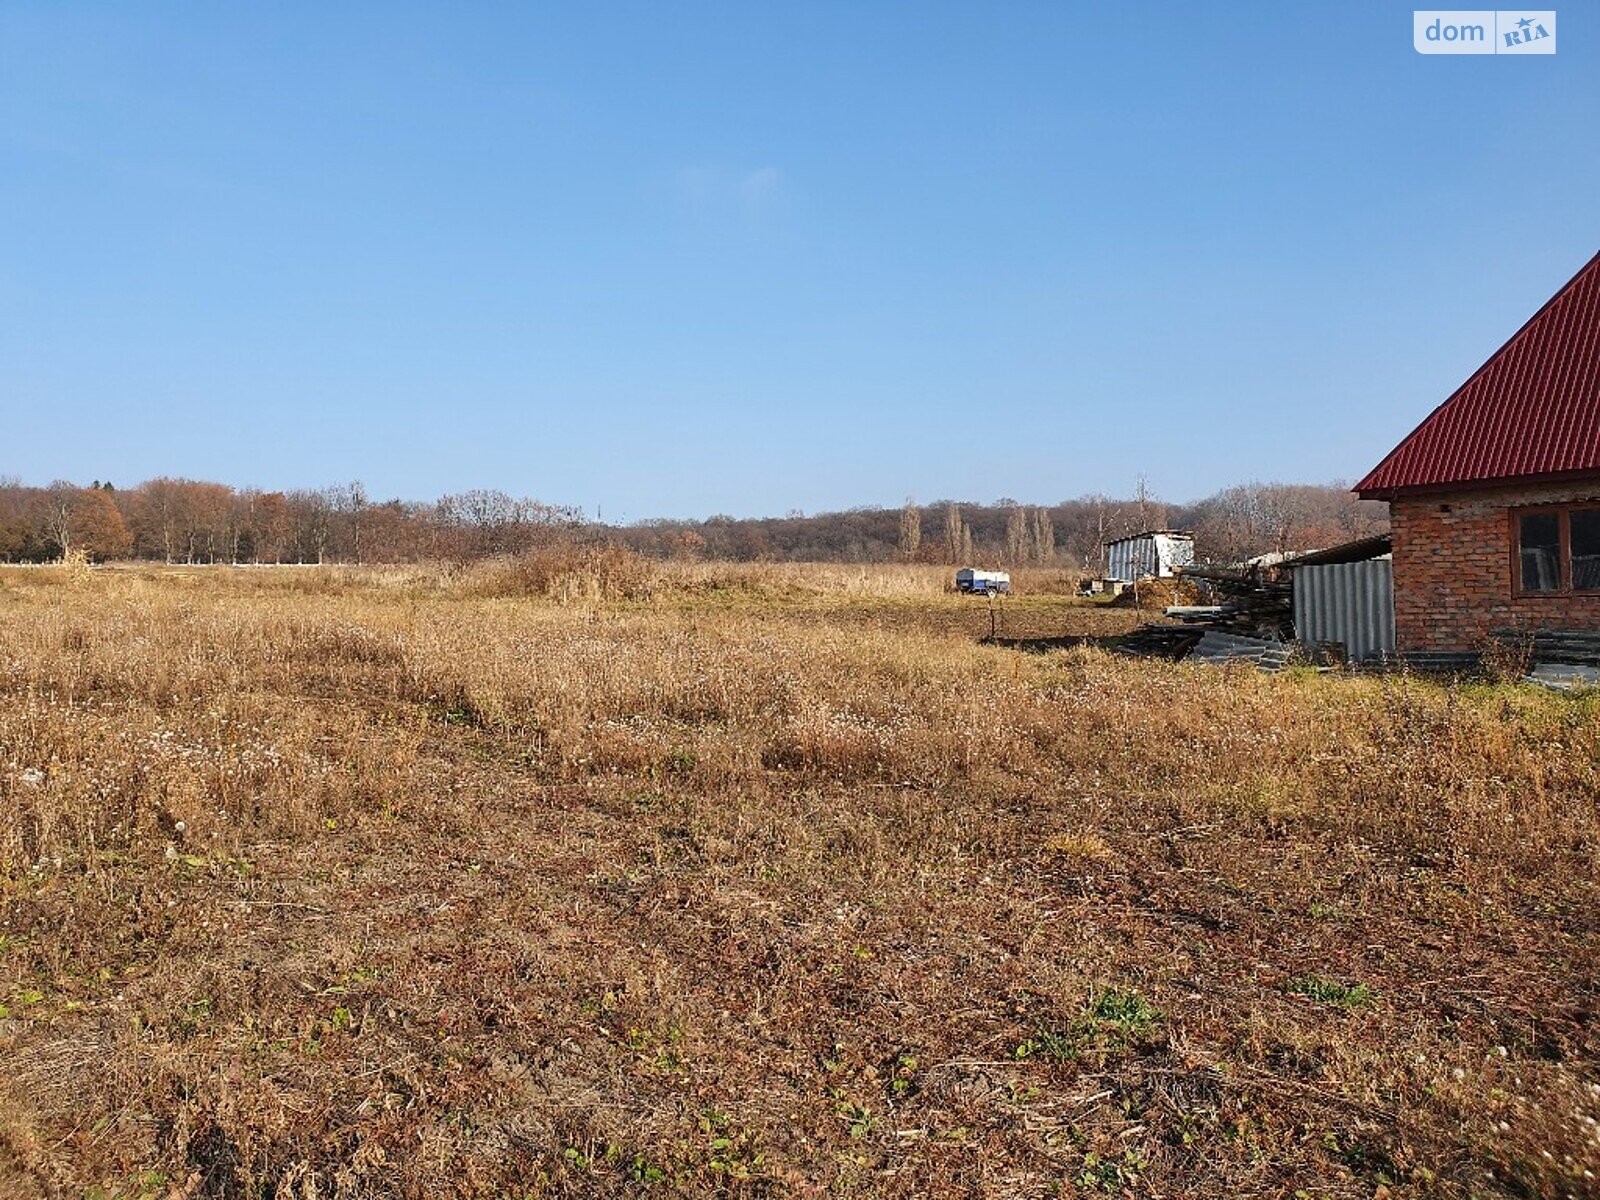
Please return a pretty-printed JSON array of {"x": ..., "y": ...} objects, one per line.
[{"x": 1352, "y": 603}]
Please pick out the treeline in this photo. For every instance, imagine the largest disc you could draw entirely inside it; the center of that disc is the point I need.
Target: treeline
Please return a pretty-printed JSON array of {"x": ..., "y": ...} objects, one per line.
[
  {"x": 1236, "y": 523},
  {"x": 191, "y": 521}
]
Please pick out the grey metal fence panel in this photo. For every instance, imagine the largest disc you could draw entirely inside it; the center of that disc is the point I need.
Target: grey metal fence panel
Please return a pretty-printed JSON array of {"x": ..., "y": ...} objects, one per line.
[{"x": 1351, "y": 603}]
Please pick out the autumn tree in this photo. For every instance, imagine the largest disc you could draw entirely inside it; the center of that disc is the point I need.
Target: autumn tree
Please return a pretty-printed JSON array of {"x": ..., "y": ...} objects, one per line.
[
  {"x": 97, "y": 527},
  {"x": 18, "y": 535},
  {"x": 395, "y": 531},
  {"x": 181, "y": 519},
  {"x": 1152, "y": 513},
  {"x": 83, "y": 520},
  {"x": 272, "y": 526},
  {"x": 1251, "y": 519}
]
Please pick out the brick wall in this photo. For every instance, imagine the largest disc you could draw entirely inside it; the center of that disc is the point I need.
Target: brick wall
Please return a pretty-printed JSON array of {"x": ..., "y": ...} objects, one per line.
[{"x": 1452, "y": 569}]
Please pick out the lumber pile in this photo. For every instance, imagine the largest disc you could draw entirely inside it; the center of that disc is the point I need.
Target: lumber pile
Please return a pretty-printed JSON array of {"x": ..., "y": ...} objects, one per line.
[
  {"x": 1249, "y": 601},
  {"x": 1247, "y": 616}
]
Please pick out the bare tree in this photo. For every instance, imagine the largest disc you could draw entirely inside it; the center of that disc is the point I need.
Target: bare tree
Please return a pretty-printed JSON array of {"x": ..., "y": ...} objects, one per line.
[
  {"x": 1044, "y": 536},
  {"x": 493, "y": 522},
  {"x": 350, "y": 503},
  {"x": 953, "y": 526},
  {"x": 156, "y": 517},
  {"x": 1102, "y": 530},
  {"x": 1152, "y": 513},
  {"x": 1016, "y": 535},
  {"x": 210, "y": 514},
  {"x": 309, "y": 511},
  {"x": 910, "y": 530},
  {"x": 1256, "y": 518},
  {"x": 58, "y": 503}
]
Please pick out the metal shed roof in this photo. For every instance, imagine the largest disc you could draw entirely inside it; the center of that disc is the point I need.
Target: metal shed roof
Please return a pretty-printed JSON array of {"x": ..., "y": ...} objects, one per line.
[
  {"x": 1360, "y": 550},
  {"x": 1144, "y": 533},
  {"x": 1531, "y": 412}
]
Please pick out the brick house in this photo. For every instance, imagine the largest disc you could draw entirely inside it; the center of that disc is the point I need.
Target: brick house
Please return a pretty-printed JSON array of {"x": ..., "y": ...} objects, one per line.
[{"x": 1494, "y": 499}]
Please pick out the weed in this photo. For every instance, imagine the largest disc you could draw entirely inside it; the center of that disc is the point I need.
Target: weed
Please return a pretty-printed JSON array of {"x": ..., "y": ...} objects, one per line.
[
  {"x": 1124, "y": 1010},
  {"x": 1051, "y": 1046},
  {"x": 1110, "y": 1174},
  {"x": 729, "y": 1151},
  {"x": 903, "y": 1077},
  {"x": 1330, "y": 991},
  {"x": 642, "y": 1170}
]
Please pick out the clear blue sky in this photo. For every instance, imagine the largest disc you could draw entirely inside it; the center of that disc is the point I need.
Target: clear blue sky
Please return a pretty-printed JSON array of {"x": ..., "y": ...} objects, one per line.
[{"x": 678, "y": 259}]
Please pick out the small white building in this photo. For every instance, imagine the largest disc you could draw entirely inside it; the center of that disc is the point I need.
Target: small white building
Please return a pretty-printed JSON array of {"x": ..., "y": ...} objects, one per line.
[{"x": 1154, "y": 552}]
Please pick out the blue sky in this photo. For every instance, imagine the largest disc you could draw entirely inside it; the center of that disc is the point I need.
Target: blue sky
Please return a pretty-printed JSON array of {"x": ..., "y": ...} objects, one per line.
[{"x": 746, "y": 258}]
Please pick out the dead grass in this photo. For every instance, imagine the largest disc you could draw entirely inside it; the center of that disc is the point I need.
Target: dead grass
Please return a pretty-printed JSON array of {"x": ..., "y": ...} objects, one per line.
[{"x": 764, "y": 881}]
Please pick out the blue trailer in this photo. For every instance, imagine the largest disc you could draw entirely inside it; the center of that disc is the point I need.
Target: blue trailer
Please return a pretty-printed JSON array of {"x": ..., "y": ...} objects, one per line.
[{"x": 982, "y": 583}]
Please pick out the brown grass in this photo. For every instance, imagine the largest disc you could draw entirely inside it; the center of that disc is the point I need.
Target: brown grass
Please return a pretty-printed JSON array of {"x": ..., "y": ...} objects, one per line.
[{"x": 765, "y": 881}]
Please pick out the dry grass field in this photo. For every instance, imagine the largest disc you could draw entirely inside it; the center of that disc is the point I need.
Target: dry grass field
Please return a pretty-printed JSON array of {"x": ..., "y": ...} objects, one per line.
[{"x": 599, "y": 879}]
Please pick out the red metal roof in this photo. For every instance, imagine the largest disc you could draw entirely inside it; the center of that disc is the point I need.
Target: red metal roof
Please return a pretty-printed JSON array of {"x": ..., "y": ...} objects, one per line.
[{"x": 1531, "y": 411}]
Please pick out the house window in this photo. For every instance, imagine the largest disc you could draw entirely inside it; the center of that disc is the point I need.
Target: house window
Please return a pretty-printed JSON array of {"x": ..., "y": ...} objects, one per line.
[
  {"x": 1539, "y": 546},
  {"x": 1585, "y": 539},
  {"x": 1557, "y": 549}
]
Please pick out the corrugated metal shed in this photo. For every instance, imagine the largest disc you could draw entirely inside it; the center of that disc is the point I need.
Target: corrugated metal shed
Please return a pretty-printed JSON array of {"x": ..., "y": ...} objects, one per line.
[
  {"x": 1154, "y": 552},
  {"x": 1348, "y": 603},
  {"x": 1532, "y": 410}
]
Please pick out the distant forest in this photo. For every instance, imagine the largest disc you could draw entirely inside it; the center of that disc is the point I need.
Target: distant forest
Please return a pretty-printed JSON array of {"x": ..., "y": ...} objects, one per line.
[{"x": 188, "y": 521}]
